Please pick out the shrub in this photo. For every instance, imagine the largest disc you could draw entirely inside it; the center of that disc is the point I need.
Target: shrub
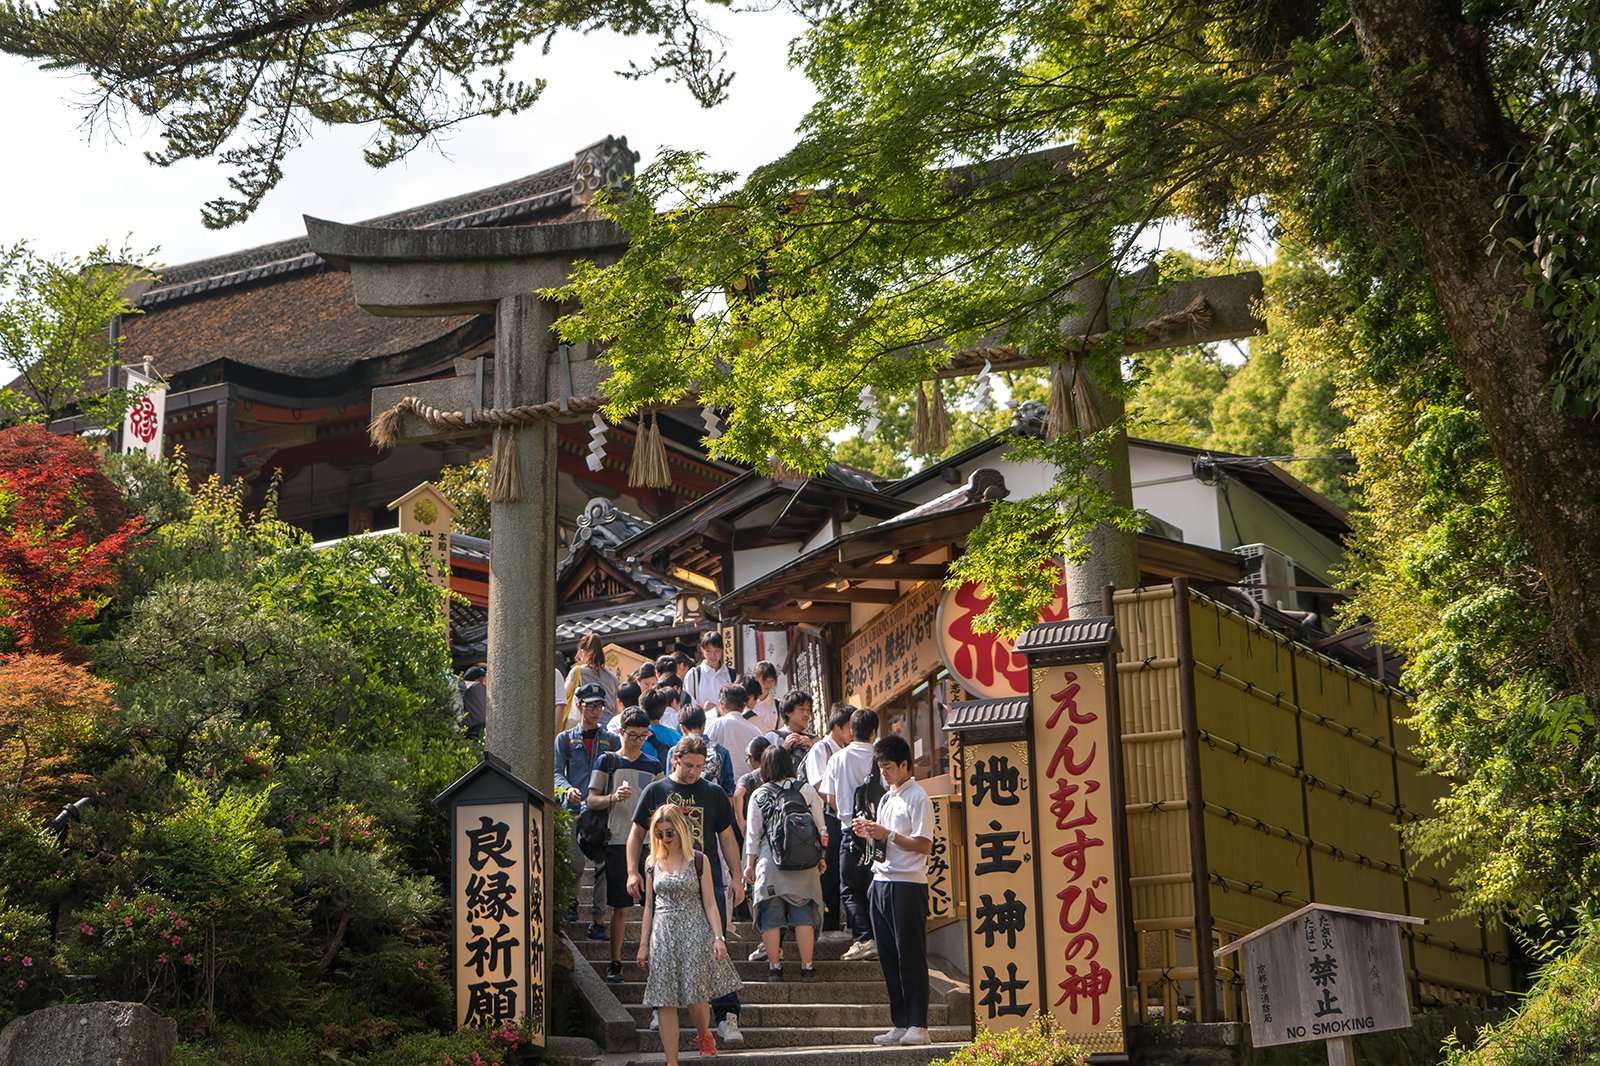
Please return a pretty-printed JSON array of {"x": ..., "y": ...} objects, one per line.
[
  {"x": 49, "y": 709},
  {"x": 1557, "y": 1025},
  {"x": 1038, "y": 1044},
  {"x": 30, "y": 972}
]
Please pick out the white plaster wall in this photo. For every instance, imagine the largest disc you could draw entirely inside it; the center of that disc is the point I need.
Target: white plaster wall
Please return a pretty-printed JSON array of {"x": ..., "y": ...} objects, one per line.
[
  {"x": 1164, "y": 484},
  {"x": 752, "y": 563}
]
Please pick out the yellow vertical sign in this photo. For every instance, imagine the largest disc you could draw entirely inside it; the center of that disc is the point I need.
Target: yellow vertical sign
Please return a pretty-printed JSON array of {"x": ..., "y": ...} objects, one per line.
[
  {"x": 426, "y": 512},
  {"x": 941, "y": 885},
  {"x": 1002, "y": 885},
  {"x": 538, "y": 948},
  {"x": 490, "y": 887},
  {"x": 1082, "y": 921}
]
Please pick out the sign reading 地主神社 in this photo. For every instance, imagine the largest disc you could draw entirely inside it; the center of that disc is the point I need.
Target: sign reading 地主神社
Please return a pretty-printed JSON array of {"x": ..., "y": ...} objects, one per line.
[
  {"x": 498, "y": 867},
  {"x": 1324, "y": 973}
]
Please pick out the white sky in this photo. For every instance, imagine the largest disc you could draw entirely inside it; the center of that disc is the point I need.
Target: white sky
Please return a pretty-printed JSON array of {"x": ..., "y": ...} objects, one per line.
[{"x": 65, "y": 193}]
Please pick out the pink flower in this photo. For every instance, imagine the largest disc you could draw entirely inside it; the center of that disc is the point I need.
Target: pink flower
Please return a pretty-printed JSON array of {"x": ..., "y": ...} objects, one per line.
[
  {"x": 162, "y": 958},
  {"x": 27, "y": 960},
  {"x": 5, "y": 958},
  {"x": 420, "y": 964},
  {"x": 322, "y": 840},
  {"x": 188, "y": 960},
  {"x": 176, "y": 940},
  {"x": 127, "y": 921},
  {"x": 177, "y": 923},
  {"x": 21, "y": 983},
  {"x": 88, "y": 930}
]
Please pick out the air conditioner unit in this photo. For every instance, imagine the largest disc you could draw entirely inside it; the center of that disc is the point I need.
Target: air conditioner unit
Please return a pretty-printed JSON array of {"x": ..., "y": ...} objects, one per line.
[{"x": 1269, "y": 578}]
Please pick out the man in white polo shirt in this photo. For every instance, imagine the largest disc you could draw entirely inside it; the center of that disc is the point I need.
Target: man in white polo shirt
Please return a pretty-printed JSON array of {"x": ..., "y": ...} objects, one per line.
[
  {"x": 847, "y": 771},
  {"x": 898, "y": 898}
]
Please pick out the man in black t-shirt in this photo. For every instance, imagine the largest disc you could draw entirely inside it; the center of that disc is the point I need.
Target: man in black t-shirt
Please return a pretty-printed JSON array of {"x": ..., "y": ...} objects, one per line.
[{"x": 710, "y": 818}]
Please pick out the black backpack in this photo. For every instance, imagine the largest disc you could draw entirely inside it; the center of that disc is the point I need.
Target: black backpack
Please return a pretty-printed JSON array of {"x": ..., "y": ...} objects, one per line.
[
  {"x": 789, "y": 828},
  {"x": 594, "y": 826},
  {"x": 864, "y": 804}
]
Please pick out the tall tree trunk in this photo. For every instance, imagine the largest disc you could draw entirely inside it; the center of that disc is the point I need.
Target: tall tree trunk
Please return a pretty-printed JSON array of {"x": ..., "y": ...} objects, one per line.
[{"x": 1432, "y": 69}]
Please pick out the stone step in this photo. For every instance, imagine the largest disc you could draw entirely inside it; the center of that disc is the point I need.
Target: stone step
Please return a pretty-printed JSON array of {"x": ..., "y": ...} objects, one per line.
[
  {"x": 631, "y": 993},
  {"x": 766, "y": 1039},
  {"x": 868, "y": 1055},
  {"x": 807, "y": 1015},
  {"x": 830, "y": 948},
  {"x": 756, "y": 972}
]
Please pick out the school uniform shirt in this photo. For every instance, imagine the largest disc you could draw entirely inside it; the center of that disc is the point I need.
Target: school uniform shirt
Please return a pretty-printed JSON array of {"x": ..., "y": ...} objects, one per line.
[
  {"x": 816, "y": 764},
  {"x": 704, "y": 685},
  {"x": 846, "y": 772},
  {"x": 766, "y": 713},
  {"x": 610, "y": 771},
  {"x": 734, "y": 732},
  {"x": 908, "y": 811}
]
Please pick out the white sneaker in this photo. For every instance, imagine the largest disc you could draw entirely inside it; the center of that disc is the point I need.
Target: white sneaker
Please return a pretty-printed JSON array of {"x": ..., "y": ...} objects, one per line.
[
  {"x": 759, "y": 954},
  {"x": 729, "y": 1031},
  {"x": 916, "y": 1035},
  {"x": 655, "y": 1020},
  {"x": 860, "y": 951},
  {"x": 893, "y": 1036}
]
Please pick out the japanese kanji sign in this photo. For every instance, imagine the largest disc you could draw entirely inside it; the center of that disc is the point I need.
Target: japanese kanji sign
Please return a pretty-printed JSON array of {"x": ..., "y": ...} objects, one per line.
[
  {"x": 1002, "y": 884},
  {"x": 893, "y": 651},
  {"x": 1073, "y": 747},
  {"x": 941, "y": 886},
  {"x": 428, "y": 513},
  {"x": 1323, "y": 973},
  {"x": 985, "y": 664},
  {"x": 144, "y": 424},
  {"x": 498, "y": 865}
]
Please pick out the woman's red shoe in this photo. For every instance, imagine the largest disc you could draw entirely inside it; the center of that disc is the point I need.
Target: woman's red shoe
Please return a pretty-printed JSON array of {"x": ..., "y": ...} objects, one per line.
[{"x": 708, "y": 1045}]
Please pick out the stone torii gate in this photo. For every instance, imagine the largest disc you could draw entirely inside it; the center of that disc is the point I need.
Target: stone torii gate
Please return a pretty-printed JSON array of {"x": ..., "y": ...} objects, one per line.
[{"x": 533, "y": 382}]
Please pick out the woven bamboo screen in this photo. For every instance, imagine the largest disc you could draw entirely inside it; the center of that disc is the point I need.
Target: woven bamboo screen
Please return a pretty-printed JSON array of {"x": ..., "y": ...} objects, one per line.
[{"x": 1304, "y": 771}]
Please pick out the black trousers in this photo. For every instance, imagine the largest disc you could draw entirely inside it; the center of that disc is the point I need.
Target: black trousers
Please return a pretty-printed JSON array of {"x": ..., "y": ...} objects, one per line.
[
  {"x": 900, "y": 927},
  {"x": 832, "y": 916},
  {"x": 853, "y": 883}
]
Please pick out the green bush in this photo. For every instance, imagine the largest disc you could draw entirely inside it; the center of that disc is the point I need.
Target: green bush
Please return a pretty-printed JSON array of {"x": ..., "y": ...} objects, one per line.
[
  {"x": 1557, "y": 1025},
  {"x": 1039, "y": 1043}
]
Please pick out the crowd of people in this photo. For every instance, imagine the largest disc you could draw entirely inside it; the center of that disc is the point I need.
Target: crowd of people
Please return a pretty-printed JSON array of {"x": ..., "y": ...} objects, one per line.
[{"x": 701, "y": 796}]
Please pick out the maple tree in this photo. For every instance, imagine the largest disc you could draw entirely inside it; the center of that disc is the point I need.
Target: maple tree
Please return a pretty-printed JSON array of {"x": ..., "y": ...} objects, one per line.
[
  {"x": 49, "y": 708},
  {"x": 63, "y": 527}
]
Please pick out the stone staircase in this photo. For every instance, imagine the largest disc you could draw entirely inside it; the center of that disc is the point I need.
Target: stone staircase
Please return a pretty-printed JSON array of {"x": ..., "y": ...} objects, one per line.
[{"x": 829, "y": 1021}]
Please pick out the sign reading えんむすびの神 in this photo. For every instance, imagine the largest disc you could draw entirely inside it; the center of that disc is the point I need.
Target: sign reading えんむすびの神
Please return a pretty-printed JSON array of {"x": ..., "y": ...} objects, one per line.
[
  {"x": 1324, "y": 973},
  {"x": 497, "y": 876}
]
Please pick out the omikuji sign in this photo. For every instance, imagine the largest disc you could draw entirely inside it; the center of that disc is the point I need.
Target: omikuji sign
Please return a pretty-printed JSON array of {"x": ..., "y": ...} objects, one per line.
[
  {"x": 498, "y": 863},
  {"x": 1324, "y": 973}
]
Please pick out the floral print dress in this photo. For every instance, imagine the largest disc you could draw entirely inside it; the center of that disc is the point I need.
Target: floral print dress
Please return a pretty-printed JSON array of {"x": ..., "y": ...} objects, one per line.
[{"x": 683, "y": 969}]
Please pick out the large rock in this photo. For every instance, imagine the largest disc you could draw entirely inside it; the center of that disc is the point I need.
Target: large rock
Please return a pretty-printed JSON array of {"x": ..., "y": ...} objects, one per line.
[{"x": 90, "y": 1034}]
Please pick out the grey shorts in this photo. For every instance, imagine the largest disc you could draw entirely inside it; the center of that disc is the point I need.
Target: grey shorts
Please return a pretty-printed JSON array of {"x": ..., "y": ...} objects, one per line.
[{"x": 775, "y": 912}]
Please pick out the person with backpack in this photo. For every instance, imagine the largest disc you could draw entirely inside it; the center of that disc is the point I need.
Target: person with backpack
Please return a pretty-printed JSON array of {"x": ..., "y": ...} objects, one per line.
[
  {"x": 812, "y": 771},
  {"x": 850, "y": 772},
  {"x": 577, "y": 749},
  {"x": 705, "y": 680},
  {"x": 619, "y": 779},
  {"x": 683, "y": 946},
  {"x": 719, "y": 765},
  {"x": 663, "y": 738},
  {"x": 735, "y": 727},
  {"x": 784, "y": 855}
]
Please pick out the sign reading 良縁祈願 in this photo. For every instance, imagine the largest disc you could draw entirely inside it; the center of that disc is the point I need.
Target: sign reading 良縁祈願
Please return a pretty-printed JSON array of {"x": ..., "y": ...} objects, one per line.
[{"x": 498, "y": 864}]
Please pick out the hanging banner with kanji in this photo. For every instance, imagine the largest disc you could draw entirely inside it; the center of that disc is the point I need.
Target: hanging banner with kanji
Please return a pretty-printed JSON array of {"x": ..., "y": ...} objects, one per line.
[
  {"x": 1078, "y": 826},
  {"x": 144, "y": 424},
  {"x": 1002, "y": 885}
]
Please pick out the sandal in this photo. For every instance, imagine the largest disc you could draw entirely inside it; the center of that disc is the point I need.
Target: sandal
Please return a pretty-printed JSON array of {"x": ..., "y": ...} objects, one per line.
[{"x": 708, "y": 1045}]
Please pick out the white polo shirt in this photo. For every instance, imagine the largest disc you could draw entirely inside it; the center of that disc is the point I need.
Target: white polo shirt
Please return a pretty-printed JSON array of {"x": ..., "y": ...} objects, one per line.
[
  {"x": 704, "y": 685},
  {"x": 846, "y": 772},
  {"x": 817, "y": 760},
  {"x": 908, "y": 811},
  {"x": 734, "y": 732}
]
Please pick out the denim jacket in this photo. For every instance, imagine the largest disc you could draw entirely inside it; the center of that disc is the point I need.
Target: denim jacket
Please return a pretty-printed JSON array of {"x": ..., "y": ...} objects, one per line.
[{"x": 573, "y": 765}]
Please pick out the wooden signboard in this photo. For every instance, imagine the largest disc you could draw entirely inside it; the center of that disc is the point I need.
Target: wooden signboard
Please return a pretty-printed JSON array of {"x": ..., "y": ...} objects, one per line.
[
  {"x": 893, "y": 651},
  {"x": 985, "y": 664},
  {"x": 426, "y": 512},
  {"x": 498, "y": 854},
  {"x": 1078, "y": 828},
  {"x": 1324, "y": 973},
  {"x": 1002, "y": 885},
  {"x": 941, "y": 885}
]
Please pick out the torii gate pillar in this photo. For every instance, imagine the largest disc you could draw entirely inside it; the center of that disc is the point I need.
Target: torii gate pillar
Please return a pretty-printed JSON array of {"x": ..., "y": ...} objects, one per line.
[{"x": 431, "y": 273}]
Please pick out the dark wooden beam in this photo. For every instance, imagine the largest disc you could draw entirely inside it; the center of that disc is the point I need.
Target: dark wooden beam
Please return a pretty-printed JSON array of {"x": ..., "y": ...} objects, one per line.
[
  {"x": 847, "y": 595},
  {"x": 814, "y": 614},
  {"x": 891, "y": 571}
]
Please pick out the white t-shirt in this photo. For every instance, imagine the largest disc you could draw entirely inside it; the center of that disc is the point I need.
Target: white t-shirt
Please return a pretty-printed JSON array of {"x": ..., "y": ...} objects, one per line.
[
  {"x": 845, "y": 773},
  {"x": 908, "y": 811},
  {"x": 704, "y": 685},
  {"x": 817, "y": 759},
  {"x": 734, "y": 732}
]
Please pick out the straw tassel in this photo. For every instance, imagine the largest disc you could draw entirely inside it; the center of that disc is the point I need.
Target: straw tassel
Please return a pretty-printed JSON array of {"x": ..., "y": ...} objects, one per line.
[
  {"x": 649, "y": 466},
  {"x": 385, "y": 428},
  {"x": 1059, "y": 418},
  {"x": 1088, "y": 415},
  {"x": 782, "y": 471},
  {"x": 505, "y": 474},
  {"x": 920, "y": 440},
  {"x": 938, "y": 419}
]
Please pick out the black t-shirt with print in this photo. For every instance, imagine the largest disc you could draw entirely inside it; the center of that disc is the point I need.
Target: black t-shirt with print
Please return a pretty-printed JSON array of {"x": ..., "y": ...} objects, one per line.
[{"x": 706, "y": 808}]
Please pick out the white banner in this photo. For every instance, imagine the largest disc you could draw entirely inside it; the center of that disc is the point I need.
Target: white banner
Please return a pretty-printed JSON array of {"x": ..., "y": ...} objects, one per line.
[{"x": 145, "y": 422}]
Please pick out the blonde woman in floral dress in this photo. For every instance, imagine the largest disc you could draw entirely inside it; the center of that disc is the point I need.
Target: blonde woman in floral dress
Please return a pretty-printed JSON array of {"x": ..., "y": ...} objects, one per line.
[{"x": 681, "y": 944}]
